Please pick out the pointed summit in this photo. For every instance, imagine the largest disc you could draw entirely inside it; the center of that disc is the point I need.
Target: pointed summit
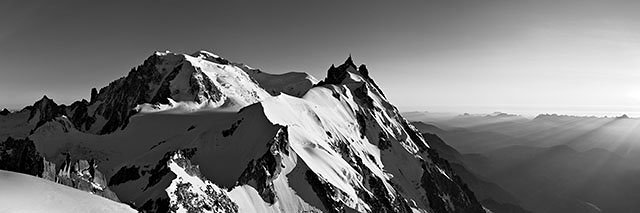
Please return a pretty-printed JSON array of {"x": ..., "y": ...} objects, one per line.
[
  {"x": 44, "y": 102},
  {"x": 5, "y": 111},
  {"x": 45, "y": 110},
  {"x": 349, "y": 62},
  {"x": 335, "y": 75}
]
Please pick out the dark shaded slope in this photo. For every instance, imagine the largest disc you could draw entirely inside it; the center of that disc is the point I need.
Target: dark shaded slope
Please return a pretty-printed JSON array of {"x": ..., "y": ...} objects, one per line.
[
  {"x": 491, "y": 195},
  {"x": 560, "y": 179}
]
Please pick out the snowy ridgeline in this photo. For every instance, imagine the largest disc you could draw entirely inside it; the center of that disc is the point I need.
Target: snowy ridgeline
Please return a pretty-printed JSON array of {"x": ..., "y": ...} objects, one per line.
[{"x": 199, "y": 133}]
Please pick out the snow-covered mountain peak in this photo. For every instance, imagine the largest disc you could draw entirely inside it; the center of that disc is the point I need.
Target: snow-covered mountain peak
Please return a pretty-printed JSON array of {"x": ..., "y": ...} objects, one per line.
[
  {"x": 196, "y": 81},
  {"x": 206, "y": 55},
  {"x": 289, "y": 144}
]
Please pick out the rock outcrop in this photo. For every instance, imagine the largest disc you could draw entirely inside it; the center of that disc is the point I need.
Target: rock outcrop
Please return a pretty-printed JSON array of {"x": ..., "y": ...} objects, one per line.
[{"x": 20, "y": 155}]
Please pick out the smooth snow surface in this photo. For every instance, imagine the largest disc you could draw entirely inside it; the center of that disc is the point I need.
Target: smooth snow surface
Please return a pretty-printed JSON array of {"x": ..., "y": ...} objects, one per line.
[{"x": 24, "y": 193}]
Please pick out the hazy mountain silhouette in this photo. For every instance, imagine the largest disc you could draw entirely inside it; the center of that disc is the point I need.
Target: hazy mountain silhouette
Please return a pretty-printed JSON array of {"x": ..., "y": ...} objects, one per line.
[
  {"x": 470, "y": 141},
  {"x": 552, "y": 163},
  {"x": 561, "y": 179},
  {"x": 481, "y": 133},
  {"x": 490, "y": 194}
]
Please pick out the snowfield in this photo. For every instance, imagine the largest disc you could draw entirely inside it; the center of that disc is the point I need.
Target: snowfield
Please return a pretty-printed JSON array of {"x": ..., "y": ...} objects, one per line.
[{"x": 25, "y": 193}]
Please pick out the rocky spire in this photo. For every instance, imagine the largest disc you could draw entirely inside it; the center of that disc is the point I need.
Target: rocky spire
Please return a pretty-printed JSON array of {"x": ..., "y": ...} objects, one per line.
[
  {"x": 335, "y": 75},
  {"x": 349, "y": 62},
  {"x": 94, "y": 95},
  {"x": 364, "y": 72}
]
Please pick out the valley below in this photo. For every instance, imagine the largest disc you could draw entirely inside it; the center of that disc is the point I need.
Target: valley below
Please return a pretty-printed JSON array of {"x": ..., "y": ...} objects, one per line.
[{"x": 551, "y": 163}]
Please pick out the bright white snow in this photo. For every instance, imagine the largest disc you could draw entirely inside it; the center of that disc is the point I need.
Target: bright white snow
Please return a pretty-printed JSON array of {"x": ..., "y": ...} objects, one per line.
[{"x": 25, "y": 193}]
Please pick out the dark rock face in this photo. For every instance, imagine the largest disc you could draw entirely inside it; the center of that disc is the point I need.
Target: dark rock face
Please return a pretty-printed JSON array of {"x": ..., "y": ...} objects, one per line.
[
  {"x": 381, "y": 200},
  {"x": 46, "y": 110},
  {"x": 94, "y": 95},
  {"x": 234, "y": 126},
  {"x": 361, "y": 93},
  {"x": 125, "y": 174},
  {"x": 376, "y": 194},
  {"x": 162, "y": 169},
  {"x": 164, "y": 92},
  {"x": 261, "y": 172},
  {"x": 83, "y": 175},
  {"x": 438, "y": 185},
  {"x": 5, "y": 111},
  {"x": 414, "y": 135},
  {"x": 186, "y": 198},
  {"x": 362, "y": 123},
  {"x": 383, "y": 141},
  {"x": 326, "y": 192},
  {"x": 20, "y": 155},
  {"x": 157, "y": 205},
  {"x": 336, "y": 75},
  {"x": 364, "y": 72},
  {"x": 155, "y": 174},
  {"x": 79, "y": 115},
  {"x": 121, "y": 96}
]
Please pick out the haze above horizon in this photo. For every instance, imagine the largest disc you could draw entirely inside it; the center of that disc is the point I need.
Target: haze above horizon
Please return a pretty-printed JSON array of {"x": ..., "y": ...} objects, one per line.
[{"x": 541, "y": 56}]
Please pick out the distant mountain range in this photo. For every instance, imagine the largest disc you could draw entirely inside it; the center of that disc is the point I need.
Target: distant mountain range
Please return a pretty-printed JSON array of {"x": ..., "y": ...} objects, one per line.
[
  {"x": 552, "y": 163},
  {"x": 617, "y": 134},
  {"x": 491, "y": 195}
]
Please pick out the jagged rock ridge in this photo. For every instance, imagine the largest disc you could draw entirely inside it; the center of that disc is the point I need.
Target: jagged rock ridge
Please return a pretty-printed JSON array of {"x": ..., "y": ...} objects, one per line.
[{"x": 20, "y": 155}]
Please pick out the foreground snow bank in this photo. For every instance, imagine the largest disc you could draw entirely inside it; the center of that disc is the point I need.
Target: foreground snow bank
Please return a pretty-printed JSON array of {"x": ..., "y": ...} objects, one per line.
[{"x": 25, "y": 193}]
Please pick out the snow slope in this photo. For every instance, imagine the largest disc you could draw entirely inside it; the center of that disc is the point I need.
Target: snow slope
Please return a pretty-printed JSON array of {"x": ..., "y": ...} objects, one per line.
[{"x": 25, "y": 193}]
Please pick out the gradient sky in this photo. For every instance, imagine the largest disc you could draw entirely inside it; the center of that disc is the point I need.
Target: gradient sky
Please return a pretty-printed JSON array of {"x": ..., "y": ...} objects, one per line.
[{"x": 487, "y": 55}]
